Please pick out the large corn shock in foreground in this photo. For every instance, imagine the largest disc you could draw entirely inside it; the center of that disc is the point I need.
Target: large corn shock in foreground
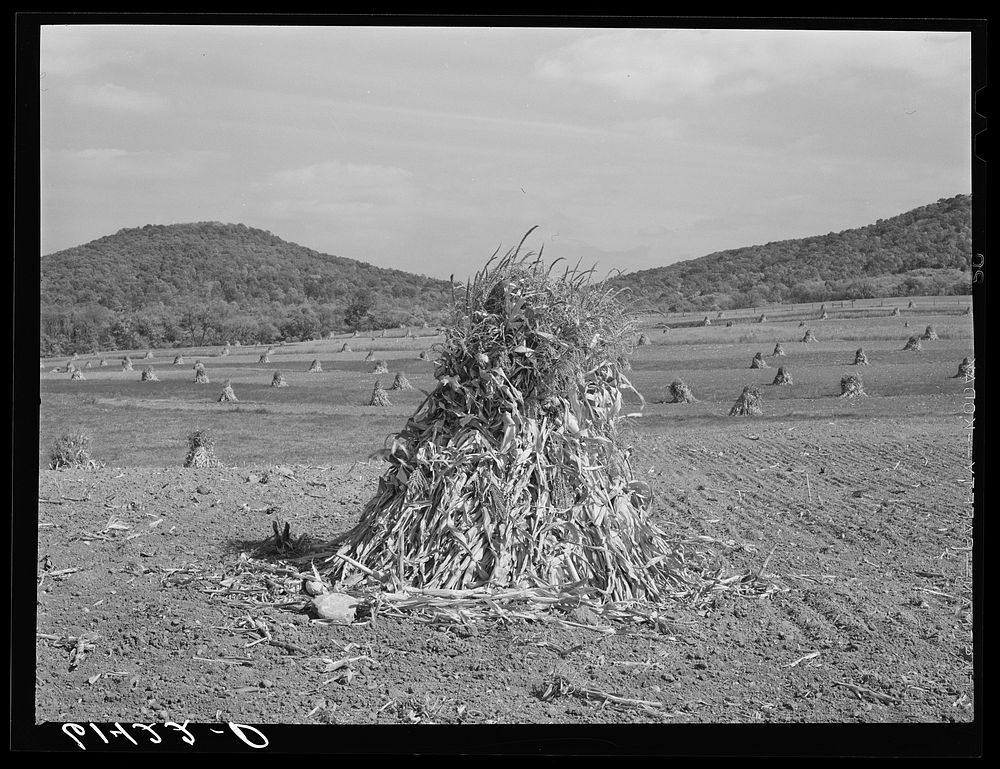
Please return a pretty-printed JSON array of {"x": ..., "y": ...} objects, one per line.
[{"x": 512, "y": 472}]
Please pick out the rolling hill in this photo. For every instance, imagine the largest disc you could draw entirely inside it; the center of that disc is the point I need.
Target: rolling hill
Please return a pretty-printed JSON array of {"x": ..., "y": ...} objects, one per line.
[
  {"x": 209, "y": 282},
  {"x": 923, "y": 251}
]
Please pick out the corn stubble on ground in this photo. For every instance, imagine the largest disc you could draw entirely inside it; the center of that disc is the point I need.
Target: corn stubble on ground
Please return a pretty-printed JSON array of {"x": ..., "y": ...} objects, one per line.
[
  {"x": 852, "y": 386},
  {"x": 748, "y": 404},
  {"x": 512, "y": 474},
  {"x": 201, "y": 450},
  {"x": 782, "y": 377},
  {"x": 861, "y": 357}
]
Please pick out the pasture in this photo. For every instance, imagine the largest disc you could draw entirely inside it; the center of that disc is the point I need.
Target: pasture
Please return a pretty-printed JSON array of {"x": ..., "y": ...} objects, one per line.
[{"x": 857, "y": 514}]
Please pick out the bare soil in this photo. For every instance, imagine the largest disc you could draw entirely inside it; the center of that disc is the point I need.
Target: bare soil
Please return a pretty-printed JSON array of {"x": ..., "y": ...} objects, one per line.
[
  {"x": 858, "y": 515},
  {"x": 872, "y": 622}
]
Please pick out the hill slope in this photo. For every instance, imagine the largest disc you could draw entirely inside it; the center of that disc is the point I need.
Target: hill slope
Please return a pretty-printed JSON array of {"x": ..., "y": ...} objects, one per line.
[
  {"x": 923, "y": 251},
  {"x": 231, "y": 262},
  {"x": 209, "y": 282}
]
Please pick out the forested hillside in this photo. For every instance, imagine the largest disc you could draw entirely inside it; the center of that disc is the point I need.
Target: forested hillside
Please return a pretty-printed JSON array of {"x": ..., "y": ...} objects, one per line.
[
  {"x": 210, "y": 282},
  {"x": 924, "y": 251},
  {"x": 207, "y": 283}
]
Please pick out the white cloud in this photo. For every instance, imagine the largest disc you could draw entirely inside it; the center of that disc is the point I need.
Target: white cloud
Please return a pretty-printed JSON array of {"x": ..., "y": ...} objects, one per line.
[
  {"x": 76, "y": 50},
  {"x": 118, "y": 98},
  {"x": 336, "y": 188},
  {"x": 671, "y": 64},
  {"x": 100, "y": 166}
]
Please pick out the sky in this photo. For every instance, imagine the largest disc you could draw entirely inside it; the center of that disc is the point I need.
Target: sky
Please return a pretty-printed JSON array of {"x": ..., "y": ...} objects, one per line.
[{"x": 425, "y": 149}]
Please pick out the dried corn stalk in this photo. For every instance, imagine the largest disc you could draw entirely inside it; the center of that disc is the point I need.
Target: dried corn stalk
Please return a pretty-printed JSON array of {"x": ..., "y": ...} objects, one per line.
[
  {"x": 227, "y": 393},
  {"x": 748, "y": 404},
  {"x": 379, "y": 396},
  {"x": 511, "y": 473},
  {"x": 852, "y": 386},
  {"x": 201, "y": 450},
  {"x": 681, "y": 392},
  {"x": 782, "y": 377},
  {"x": 401, "y": 382}
]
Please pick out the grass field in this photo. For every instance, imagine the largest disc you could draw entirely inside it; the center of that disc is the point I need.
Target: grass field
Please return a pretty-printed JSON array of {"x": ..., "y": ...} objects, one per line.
[{"x": 322, "y": 418}]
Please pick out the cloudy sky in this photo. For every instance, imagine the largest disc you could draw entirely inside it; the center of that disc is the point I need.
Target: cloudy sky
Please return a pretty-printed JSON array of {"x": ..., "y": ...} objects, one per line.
[{"x": 425, "y": 149}]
